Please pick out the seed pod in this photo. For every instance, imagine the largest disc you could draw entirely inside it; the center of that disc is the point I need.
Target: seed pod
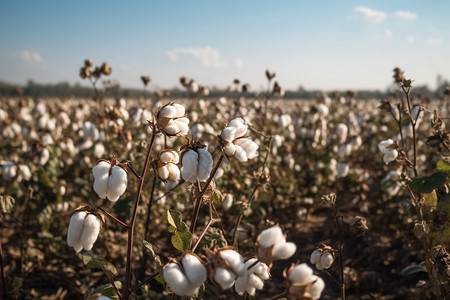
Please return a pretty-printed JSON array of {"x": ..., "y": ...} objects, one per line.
[{"x": 197, "y": 164}]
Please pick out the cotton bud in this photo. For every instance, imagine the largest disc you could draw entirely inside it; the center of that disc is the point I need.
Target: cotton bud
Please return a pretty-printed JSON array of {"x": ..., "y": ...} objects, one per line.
[
  {"x": 83, "y": 231},
  {"x": 236, "y": 143},
  {"x": 185, "y": 282},
  {"x": 272, "y": 246},
  {"x": 303, "y": 284},
  {"x": 171, "y": 120},
  {"x": 9, "y": 170},
  {"x": 197, "y": 165},
  {"x": 254, "y": 278},
  {"x": 110, "y": 180}
]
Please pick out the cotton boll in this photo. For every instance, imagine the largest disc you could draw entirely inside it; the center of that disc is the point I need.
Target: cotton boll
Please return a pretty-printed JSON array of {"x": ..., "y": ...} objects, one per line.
[
  {"x": 316, "y": 289},
  {"x": 163, "y": 173},
  {"x": 75, "y": 230},
  {"x": 184, "y": 128},
  {"x": 45, "y": 155},
  {"x": 326, "y": 260},
  {"x": 283, "y": 250},
  {"x": 342, "y": 169},
  {"x": 250, "y": 147},
  {"x": 99, "y": 150},
  {"x": 341, "y": 132},
  {"x": 228, "y": 134},
  {"x": 241, "y": 128},
  {"x": 224, "y": 277},
  {"x": 117, "y": 183},
  {"x": 190, "y": 163},
  {"x": 180, "y": 110},
  {"x": 383, "y": 145},
  {"x": 227, "y": 202},
  {"x": 90, "y": 231},
  {"x": 390, "y": 155},
  {"x": 25, "y": 172},
  {"x": 315, "y": 257},
  {"x": 235, "y": 260},
  {"x": 177, "y": 281},
  {"x": 241, "y": 285},
  {"x": 219, "y": 173},
  {"x": 230, "y": 149},
  {"x": 300, "y": 273},
  {"x": 270, "y": 237},
  {"x": 205, "y": 164},
  {"x": 255, "y": 282},
  {"x": 9, "y": 170},
  {"x": 169, "y": 111},
  {"x": 171, "y": 128},
  {"x": 101, "y": 176},
  {"x": 240, "y": 154},
  {"x": 194, "y": 269}
]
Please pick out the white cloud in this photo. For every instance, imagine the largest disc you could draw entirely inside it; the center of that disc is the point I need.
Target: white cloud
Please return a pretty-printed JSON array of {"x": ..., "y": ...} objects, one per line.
[
  {"x": 238, "y": 63},
  {"x": 209, "y": 57},
  {"x": 411, "y": 39},
  {"x": 369, "y": 14},
  {"x": 28, "y": 56},
  {"x": 435, "y": 42},
  {"x": 388, "y": 33},
  {"x": 405, "y": 15}
]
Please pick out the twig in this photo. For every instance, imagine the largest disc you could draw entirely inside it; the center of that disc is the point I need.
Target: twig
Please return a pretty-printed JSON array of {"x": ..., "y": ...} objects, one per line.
[
  {"x": 279, "y": 296},
  {"x": 4, "y": 285},
  {"x": 147, "y": 222}
]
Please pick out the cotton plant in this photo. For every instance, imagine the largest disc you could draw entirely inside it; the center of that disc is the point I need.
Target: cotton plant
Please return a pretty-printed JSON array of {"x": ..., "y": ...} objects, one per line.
[
  {"x": 272, "y": 245},
  {"x": 257, "y": 273},
  {"x": 389, "y": 149},
  {"x": 322, "y": 258},
  {"x": 166, "y": 165},
  {"x": 236, "y": 142},
  {"x": 84, "y": 228},
  {"x": 171, "y": 120},
  {"x": 110, "y": 179},
  {"x": 196, "y": 163},
  {"x": 303, "y": 284}
]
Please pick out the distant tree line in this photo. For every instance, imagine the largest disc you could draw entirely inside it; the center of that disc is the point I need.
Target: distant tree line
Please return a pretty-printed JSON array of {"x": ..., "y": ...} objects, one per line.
[{"x": 66, "y": 90}]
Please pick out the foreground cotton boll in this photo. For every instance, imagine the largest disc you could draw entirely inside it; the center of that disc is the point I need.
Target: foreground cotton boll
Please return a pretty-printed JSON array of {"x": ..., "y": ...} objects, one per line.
[
  {"x": 75, "y": 230},
  {"x": 390, "y": 155},
  {"x": 107, "y": 185},
  {"x": 234, "y": 260},
  {"x": 171, "y": 120},
  {"x": 270, "y": 237},
  {"x": 254, "y": 279},
  {"x": 9, "y": 170},
  {"x": 383, "y": 145},
  {"x": 101, "y": 176},
  {"x": 194, "y": 270},
  {"x": 90, "y": 233},
  {"x": 300, "y": 273},
  {"x": 224, "y": 277},
  {"x": 197, "y": 165},
  {"x": 176, "y": 279},
  {"x": 236, "y": 143},
  {"x": 283, "y": 250}
]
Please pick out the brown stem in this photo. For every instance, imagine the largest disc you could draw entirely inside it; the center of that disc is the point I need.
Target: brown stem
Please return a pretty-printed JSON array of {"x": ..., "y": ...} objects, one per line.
[
  {"x": 279, "y": 296},
  {"x": 198, "y": 201},
  {"x": 126, "y": 289},
  {"x": 340, "y": 249},
  {"x": 147, "y": 222},
  {"x": 4, "y": 285},
  {"x": 111, "y": 281},
  {"x": 112, "y": 217},
  {"x": 413, "y": 124}
]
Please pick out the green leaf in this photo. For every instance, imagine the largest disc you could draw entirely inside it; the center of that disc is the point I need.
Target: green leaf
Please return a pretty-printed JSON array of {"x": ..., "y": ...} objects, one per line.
[
  {"x": 427, "y": 184},
  {"x": 181, "y": 240},
  {"x": 218, "y": 199},
  {"x": 6, "y": 203},
  {"x": 44, "y": 179},
  {"x": 430, "y": 199},
  {"x": 93, "y": 262},
  {"x": 107, "y": 290},
  {"x": 413, "y": 269}
]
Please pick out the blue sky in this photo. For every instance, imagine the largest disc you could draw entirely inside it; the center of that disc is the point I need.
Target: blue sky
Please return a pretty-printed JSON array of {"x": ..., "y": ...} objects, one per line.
[{"x": 314, "y": 44}]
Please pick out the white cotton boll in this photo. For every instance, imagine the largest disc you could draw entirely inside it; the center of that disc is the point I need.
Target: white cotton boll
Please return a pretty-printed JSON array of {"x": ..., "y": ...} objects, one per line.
[
  {"x": 255, "y": 282},
  {"x": 169, "y": 157},
  {"x": 249, "y": 146},
  {"x": 180, "y": 110},
  {"x": 75, "y": 230},
  {"x": 227, "y": 202},
  {"x": 205, "y": 164},
  {"x": 240, "y": 154},
  {"x": 177, "y": 281},
  {"x": 300, "y": 273},
  {"x": 241, "y": 285},
  {"x": 170, "y": 111},
  {"x": 101, "y": 176},
  {"x": 356, "y": 142},
  {"x": 235, "y": 260},
  {"x": 3, "y": 115},
  {"x": 284, "y": 250},
  {"x": 45, "y": 155},
  {"x": 390, "y": 155},
  {"x": 326, "y": 260},
  {"x": 322, "y": 110},
  {"x": 86, "y": 144},
  {"x": 117, "y": 183},
  {"x": 163, "y": 173},
  {"x": 190, "y": 164},
  {"x": 194, "y": 269},
  {"x": 393, "y": 175},
  {"x": 9, "y": 170},
  {"x": 230, "y": 149},
  {"x": 25, "y": 172},
  {"x": 90, "y": 231},
  {"x": 315, "y": 256},
  {"x": 251, "y": 290},
  {"x": 264, "y": 272},
  {"x": 224, "y": 277},
  {"x": 341, "y": 132},
  {"x": 174, "y": 172},
  {"x": 342, "y": 169},
  {"x": 316, "y": 289},
  {"x": 47, "y": 139},
  {"x": 171, "y": 128},
  {"x": 383, "y": 145},
  {"x": 228, "y": 134},
  {"x": 344, "y": 150},
  {"x": 219, "y": 173},
  {"x": 99, "y": 150},
  {"x": 239, "y": 124},
  {"x": 184, "y": 128},
  {"x": 271, "y": 236},
  {"x": 284, "y": 121}
]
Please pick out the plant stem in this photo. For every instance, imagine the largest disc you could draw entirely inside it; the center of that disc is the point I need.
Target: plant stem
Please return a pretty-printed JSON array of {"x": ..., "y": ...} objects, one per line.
[
  {"x": 340, "y": 249},
  {"x": 4, "y": 285},
  {"x": 413, "y": 125},
  {"x": 198, "y": 201},
  {"x": 279, "y": 296},
  {"x": 126, "y": 289},
  {"x": 147, "y": 222},
  {"x": 112, "y": 217}
]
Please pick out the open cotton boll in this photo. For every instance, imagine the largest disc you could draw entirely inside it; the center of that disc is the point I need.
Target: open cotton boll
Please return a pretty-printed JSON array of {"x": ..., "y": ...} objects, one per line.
[
  {"x": 99, "y": 150},
  {"x": 228, "y": 134},
  {"x": 194, "y": 269},
  {"x": 383, "y": 145},
  {"x": 342, "y": 169},
  {"x": 271, "y": 236},
  {"x": 9, "y": 170},
  {"x": 117, "y": 183},
  {"x": 235, "y": 261},
  {"x": 224, "y": 277},
  {"x": 326, "y": 260},
  {"x": 390, "y": 155},
  {"x": 205, "y": 164},
  {"x": 183, "y": 127},
  {"x": 174, "y": 172},
  {"x": 316, "y": 289},
  {"x": 250, "y": 147},
  {"x": 25, "y": 172},
  {"x": 240, "y": 154},
  {"x": 241, "y": 127},
  {"x": 170, "y": 111},
  {"x": 255, "y": 282},
  {"x": 171, "y": 128},
  {"x": 230, "y": 149},
  {"x": 190, "y": 163},
  {"x": 241, "y": 285},
  {"x": 45, "y": 155},
  {"x": 300, "y": 273},
  {"x": 75, "y": 230},
  {"x": 163, "y": 173},
  {"x": 101, "y": 175},
  {"x": 315, "y": 257},
  {"x": 169, "y": 157},
  {"x": 283, "y": 250},
  {"x": 90, "y": 231},
  {"x": 180, "y": 110},
  {"x": 177, "y": 281}
]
